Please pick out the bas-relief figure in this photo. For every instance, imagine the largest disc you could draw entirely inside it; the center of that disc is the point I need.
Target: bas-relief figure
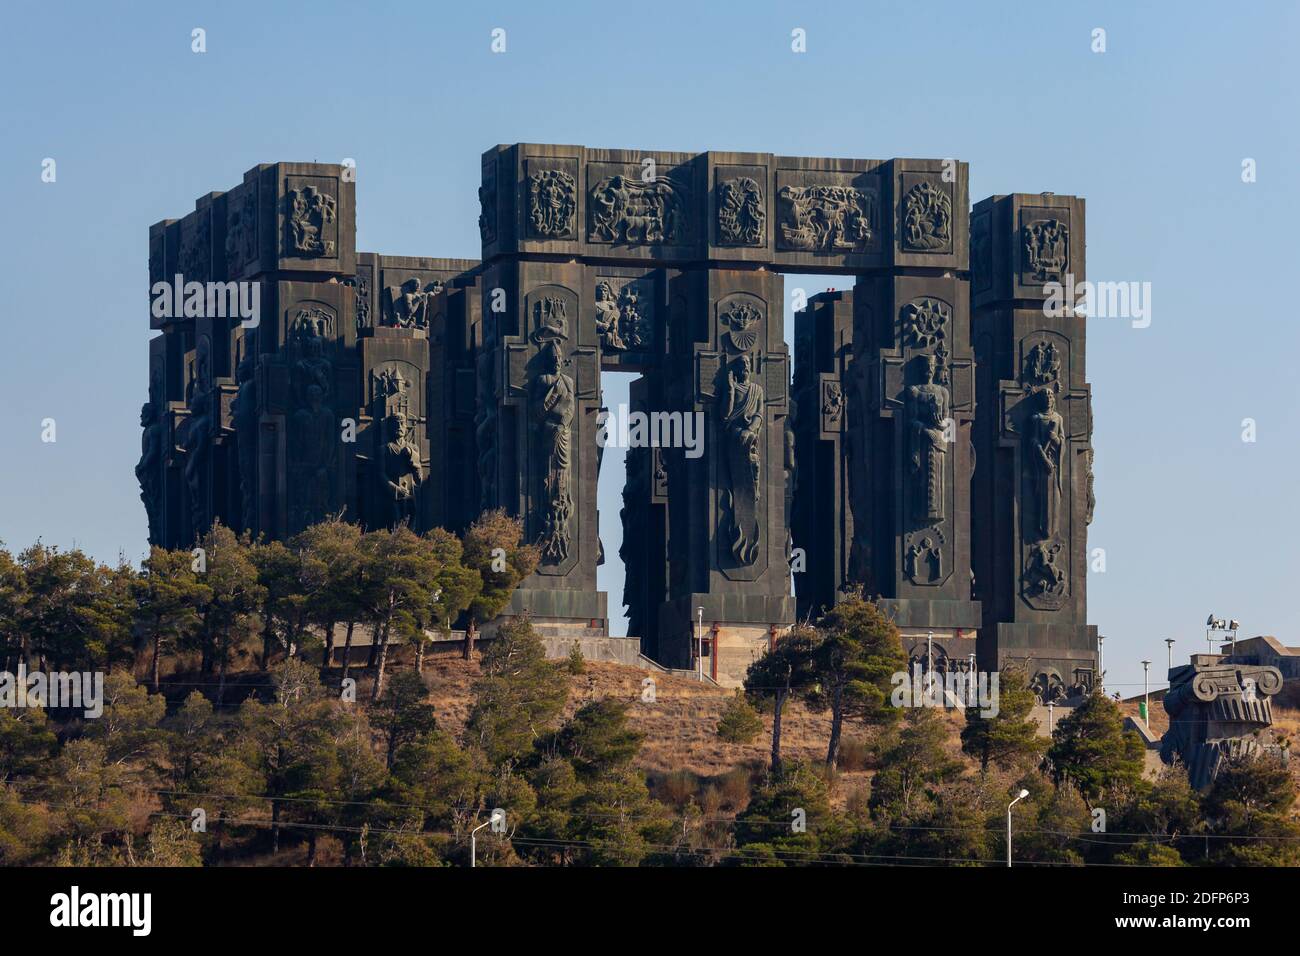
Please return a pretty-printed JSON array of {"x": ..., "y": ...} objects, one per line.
[
  {"x": 1046, "y": 442},
  {"x": 402, "y": 471},
  {"x": 923, "y": 561},
  {"x": 742, "y": 218},
  {"x": 311, "y": 366},
  {"x": 929, "y": 423},
  {"x": 147, "y": 469},
  {"x": 1048, "y": 686},
  {"x": 554, "y": 403},
  {"x": 313, "y": 444},
  {"x": 740, "y": 409},
  {"x": 407, "y": 306},
  {"x": 485, "y": 427},
  {"x": 621, "y": 322},
  {"x": 552, "y": 204},
  {"x": 1044, "y": 579},
  {"x": 826, "y": 218},
  {"x": 197, "y": 436},
  {"x": 244, "y": 412},
  {"x": 1047, "y": 249},
  {"x": 310, "y": 211},
  {"x": 927, "y": 219},
  {"x": 625, "y": 210}
]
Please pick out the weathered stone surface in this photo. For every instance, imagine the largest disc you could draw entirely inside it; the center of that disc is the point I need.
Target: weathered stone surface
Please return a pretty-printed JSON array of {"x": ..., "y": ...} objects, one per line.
[
  {"x": 464, "y": 386},
  {"x": 1217, "y": 710},
  {"x": 1033, "y": 486}
]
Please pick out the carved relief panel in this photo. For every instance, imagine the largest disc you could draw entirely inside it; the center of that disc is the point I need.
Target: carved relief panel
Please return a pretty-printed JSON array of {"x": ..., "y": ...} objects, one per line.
[
  {"x": 740, "y": 203},
  {"x": 1048, "y": 421},
  {"x": 551, "y": 199},
  {"x": 828, "y": 215},
  {"x": 547, "y": 376},
  {"x": 310, "y": 217},
  {"x": 635, "y": 204}
]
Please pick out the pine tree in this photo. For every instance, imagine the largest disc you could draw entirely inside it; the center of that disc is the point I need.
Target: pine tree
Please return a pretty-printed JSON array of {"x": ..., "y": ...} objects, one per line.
[
  {"x": 858, "y": 650},
  {"x": 784, "y": 671},
  {"x": 1008, "y": 740},
  {"x": 1092, "y": 751},
  {"x": 739, "y": 723},
  {"x": 494, "y": 548},
  {"x": 517, "y": 698},
  {"x": 168, "y": 595}
]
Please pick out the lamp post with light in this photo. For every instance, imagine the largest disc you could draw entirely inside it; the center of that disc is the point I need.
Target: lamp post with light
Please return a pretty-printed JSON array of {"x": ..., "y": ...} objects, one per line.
[{"x": 1021, "y": 796}]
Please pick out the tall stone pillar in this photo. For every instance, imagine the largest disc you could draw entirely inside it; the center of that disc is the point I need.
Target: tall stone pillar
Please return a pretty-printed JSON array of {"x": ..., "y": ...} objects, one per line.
[
  {"x": 911, "y": 412},
  {"x": 1033, "y": 488},
  {"x": 537, "y": 433},
  {"x": 249, "y": 407},
  {"x": 822, "y": 463},
  {"x": 727, "y": 528}
]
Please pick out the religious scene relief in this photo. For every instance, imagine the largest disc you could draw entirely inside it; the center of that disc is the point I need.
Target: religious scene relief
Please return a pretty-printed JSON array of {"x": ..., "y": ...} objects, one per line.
[
  {"x": 742, "y": 213},
  {"x": 1047, "y": 249},
  {"x": 927, "y": 219},
  {"x": 827, "y": 218},
  {"x": 311, "y": 214},
  {"x": 629, "y": 211},
  {"x": 409, "y": 305},
  {"x": 552, "y": 204},
  {"x": 623, "y": 315},
  {"x": 923, "y": 556}
]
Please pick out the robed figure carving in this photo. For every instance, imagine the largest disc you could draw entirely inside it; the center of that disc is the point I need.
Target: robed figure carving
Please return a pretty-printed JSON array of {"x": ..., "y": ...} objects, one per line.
[
  {"x": 244, "y": 411},
  {"x": 554, "y": 405},
  {"x": 929, "y": 442},
  {"x": 147, "y": 469},
  {"x": 1047, "y": 439},
  {"x": 197, "y": 435},
  {"x": 742, "y": 405},
  {"x": 402, "y": 470},
  {"x": 313, "y": 442}
]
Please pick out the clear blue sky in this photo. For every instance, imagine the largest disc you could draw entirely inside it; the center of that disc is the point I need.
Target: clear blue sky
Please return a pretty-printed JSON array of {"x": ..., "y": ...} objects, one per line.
[{"x": 1152, "y": 133}]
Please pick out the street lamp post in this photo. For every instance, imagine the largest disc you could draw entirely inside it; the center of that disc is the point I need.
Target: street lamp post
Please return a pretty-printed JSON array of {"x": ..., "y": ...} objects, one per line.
[
  {"x": 699, "y": 641},
  {"x": 1050, "y": 723},
  {"x": 1021, "y": 796},
  {"x": 1101, "y": 671},
  {"x": 473, "y": 840},
  {"x": 1146, "y": 702},
  {"x": 1169, "y": 643},
  {"x": 929, "y": 660}
]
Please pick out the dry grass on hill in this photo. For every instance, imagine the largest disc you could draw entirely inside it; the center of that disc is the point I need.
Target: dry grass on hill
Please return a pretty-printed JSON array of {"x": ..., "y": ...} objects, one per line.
[{"x": 680, "y": 726}]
